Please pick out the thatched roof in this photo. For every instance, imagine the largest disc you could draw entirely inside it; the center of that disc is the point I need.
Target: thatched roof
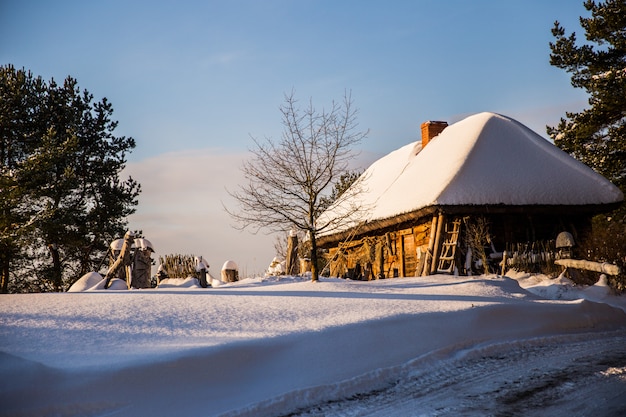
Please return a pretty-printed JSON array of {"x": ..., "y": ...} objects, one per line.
[{"x": 484, "y": 162}]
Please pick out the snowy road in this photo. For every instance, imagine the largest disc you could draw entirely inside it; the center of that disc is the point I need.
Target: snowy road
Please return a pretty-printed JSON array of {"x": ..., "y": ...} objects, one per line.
[{"x": 558, "y": 376}]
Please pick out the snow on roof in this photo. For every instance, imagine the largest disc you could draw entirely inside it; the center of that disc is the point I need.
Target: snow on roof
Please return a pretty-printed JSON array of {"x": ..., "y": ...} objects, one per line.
[{"x": 485, "y": 159}]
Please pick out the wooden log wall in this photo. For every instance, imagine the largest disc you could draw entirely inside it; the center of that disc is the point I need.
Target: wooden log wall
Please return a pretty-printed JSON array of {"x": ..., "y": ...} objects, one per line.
[
  {"x": 388, "y": 255},
  {"x": 414, "y": 250}
]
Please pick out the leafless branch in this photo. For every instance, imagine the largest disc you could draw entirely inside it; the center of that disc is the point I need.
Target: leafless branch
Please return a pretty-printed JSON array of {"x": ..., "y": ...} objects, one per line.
[{"x": 286, "y": 179}]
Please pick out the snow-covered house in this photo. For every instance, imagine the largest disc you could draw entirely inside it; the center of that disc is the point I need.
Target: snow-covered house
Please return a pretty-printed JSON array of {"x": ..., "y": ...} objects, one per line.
[{"x": 418, "y": 200}]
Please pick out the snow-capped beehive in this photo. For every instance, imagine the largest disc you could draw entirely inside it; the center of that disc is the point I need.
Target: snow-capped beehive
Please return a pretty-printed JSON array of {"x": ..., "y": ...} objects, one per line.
[{"x": 230, "y": 272}]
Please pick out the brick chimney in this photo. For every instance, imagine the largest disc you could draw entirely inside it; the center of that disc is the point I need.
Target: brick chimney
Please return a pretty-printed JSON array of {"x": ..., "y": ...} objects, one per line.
[{"x": 431, "y": 129}]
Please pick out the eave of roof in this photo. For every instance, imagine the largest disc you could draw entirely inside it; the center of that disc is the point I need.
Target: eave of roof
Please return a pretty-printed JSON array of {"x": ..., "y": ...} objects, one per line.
[{"x": 409, "y": 218}]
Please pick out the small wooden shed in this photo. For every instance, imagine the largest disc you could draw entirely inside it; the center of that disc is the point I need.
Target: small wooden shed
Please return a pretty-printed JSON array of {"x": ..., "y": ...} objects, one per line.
[{"x": 419, "y": 201}]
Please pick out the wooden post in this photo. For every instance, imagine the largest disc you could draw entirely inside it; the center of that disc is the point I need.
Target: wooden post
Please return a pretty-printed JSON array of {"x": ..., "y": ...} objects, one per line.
[
  {"x": 433, "y": 265},
  {"x": 602, "y": 267},
  {"x": 505, "y": 257},
  {"x": 431, "y": 245},
  {"x": 420, "y": 261},
  {"x": 402, "y": 257},
  {"x": 291, "y": 263},
  {"x": 381, "y": 261}
]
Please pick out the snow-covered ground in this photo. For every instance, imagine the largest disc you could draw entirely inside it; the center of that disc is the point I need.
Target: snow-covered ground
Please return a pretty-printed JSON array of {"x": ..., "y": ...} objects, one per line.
[{"x": 429, "y": 346}]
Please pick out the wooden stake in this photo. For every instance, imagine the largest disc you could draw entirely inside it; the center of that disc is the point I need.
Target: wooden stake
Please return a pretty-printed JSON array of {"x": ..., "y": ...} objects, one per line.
[{"x": 433, "y": 265}]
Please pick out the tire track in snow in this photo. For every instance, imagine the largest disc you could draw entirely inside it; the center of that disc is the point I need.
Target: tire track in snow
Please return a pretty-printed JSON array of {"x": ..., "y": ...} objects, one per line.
[{"x": 556, "y": 376}]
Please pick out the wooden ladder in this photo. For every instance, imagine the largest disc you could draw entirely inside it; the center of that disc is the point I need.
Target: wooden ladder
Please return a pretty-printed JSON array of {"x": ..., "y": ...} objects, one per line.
[{"x": 448, "y": 252}]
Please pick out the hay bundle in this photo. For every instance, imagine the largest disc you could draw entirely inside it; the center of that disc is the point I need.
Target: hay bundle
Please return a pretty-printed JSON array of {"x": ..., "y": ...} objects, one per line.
[{"x": 179, "y": 266}]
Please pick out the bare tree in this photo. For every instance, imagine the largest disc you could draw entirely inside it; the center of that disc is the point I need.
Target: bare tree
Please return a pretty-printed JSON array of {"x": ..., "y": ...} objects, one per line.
[
  {"x": 476, "y": 238},
  {"x": 288, "y": 179}
]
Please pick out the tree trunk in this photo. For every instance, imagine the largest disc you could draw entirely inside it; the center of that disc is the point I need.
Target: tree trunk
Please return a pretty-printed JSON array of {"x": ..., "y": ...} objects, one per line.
[
  {"x": 85, "y": 265},
  {"x": 4, "y": 287},
  {"x": 314, "y": 271},
  {"x": 57, "y": 278}
]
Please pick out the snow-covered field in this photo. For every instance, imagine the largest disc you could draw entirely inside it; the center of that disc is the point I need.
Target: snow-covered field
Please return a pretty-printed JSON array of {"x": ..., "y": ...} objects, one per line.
[{"x": 429, "y": 346}]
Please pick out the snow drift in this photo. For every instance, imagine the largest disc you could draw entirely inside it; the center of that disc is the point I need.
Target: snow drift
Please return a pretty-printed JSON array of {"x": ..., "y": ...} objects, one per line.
[{"x": 265, "y": 346}]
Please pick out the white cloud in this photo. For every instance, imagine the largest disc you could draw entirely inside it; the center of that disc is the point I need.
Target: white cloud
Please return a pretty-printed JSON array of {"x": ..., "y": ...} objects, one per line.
[{"x": 181, "y": 209}]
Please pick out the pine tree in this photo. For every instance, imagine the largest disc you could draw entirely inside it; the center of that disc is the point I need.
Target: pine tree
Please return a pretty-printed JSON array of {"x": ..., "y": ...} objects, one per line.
[
  {"x": 341, "y": 186},
  {"x": 19, "y": 94},
  {"x": 597, "y": 135},
  {"x": 63, "y": 162}
]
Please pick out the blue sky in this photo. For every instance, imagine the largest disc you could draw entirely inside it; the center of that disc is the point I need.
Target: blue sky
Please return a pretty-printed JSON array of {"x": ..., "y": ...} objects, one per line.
[{"x": 192, "y": 80}]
